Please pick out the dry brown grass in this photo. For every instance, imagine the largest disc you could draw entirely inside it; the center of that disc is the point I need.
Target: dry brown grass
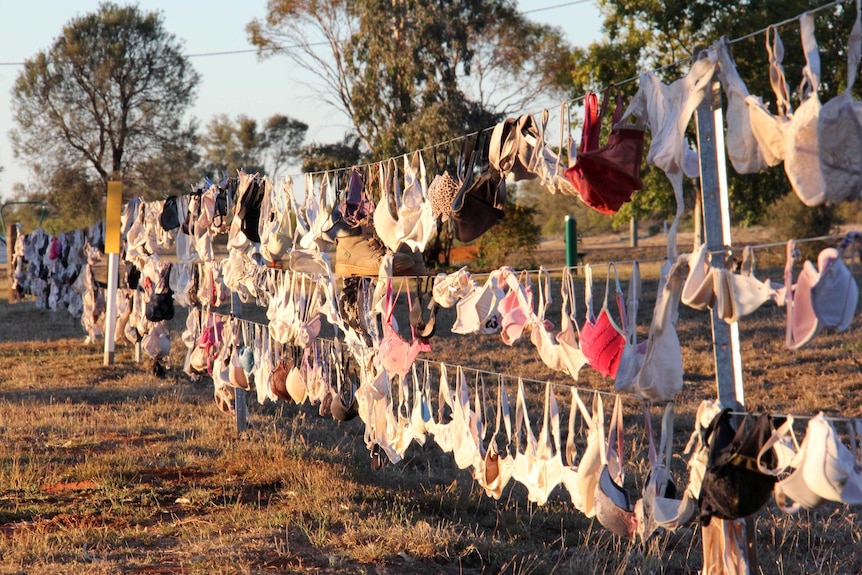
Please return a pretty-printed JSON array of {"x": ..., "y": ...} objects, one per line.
[{"x": 111, "y": 470}]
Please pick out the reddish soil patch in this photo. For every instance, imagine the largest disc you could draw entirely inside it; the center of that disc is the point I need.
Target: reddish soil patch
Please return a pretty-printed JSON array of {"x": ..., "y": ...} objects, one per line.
[{"x": 68, "y": 486}]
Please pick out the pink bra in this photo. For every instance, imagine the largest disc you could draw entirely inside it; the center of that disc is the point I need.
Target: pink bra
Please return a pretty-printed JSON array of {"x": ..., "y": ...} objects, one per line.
[
  {"x": 602, "y": 341},
  {"x": 516, "y": 307},
  {"x": 394, "y": 351},
  {"x": 397, "y": 355}
]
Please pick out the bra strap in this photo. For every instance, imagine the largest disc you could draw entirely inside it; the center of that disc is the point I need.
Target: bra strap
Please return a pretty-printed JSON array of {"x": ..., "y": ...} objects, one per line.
[{"x": 783, "y": 430}]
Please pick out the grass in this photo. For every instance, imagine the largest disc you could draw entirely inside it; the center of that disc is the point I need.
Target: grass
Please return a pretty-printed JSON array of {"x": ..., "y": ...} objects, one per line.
[{"x": 112, "y": 470}]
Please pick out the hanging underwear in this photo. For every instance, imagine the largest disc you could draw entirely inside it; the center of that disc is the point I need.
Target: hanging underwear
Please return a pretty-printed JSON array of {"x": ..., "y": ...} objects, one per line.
[{"x": 602, "y": 341}]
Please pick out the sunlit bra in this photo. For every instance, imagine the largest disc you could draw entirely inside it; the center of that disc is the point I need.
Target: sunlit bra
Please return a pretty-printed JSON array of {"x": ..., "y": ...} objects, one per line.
[
  {"x": 632, "y": 355},
  {"x": 516, "y": 306},
  {"x": 477, "y": 311},
  {"x": 571, "y": 355},
  {"x": 540, "y": 332},
  {"x": 498, "y": 463},
  {"x": 590, "y": 465}
]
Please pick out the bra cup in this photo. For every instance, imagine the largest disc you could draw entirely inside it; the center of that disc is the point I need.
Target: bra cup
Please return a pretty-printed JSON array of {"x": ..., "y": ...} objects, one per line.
[
  {"x": 742, "y": 147},
  {"x": 698, "y": 290},
  {"x": 768, "y": 130},
  {"x": 448, "y": 289},
  {"x": 802, "y": 152},
  {"x": 630, "y": 359},
  {"x": 835, "y": 295},
  {"x": 660, "y": 377},
  {"x": 549, "y": 350},
  {"x": 384, "y": 227},
  {"x": 602, "y": 344},
  {"x": 802, "y": 155},
  {"x": 385, "y": 221},
  {"x": 749, "y": 293},
  {"x": 804, "y": 324}
]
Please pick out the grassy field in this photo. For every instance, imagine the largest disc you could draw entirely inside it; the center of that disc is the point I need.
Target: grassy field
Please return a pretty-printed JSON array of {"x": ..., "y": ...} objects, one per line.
[{"x": 112, "y": 470}]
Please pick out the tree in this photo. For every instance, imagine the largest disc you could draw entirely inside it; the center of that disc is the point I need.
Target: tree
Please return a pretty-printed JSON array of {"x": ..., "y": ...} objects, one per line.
[
  {"x": 283, "y": 137},
  {"x": 518, "y": 234},
  {"x": 646, "y": 34},
  {"x": 107, "y": 97},
  {"x": 412, "y": 73},
  {"x": 321, "y": 157},
  {"x": 229, "y": 145}
]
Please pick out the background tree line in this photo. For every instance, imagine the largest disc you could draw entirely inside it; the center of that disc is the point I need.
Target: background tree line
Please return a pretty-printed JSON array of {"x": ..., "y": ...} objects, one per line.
[{"x": 111, "y": 96}]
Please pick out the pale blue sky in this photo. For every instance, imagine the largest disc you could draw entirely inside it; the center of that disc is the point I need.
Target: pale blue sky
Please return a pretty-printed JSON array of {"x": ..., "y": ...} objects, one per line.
[{"x": 231, "y": 84}]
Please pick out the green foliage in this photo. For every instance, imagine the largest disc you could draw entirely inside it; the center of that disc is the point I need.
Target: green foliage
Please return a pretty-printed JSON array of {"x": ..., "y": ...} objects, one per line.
[
  {"x": 412, "y": 73},
  {"x": 517, "y": 235},
  {"x": 108, "y": 97},
  {"x": 320, "y": 157},
  {"x": 790, "y": 218}
]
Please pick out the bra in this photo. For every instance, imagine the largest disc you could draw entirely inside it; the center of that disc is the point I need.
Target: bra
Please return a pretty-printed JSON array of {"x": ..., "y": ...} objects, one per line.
[
  {"x": 835, "y": 295},
  {"x": 768, "y": 129},
  {"x": 802, "y": 149},
  {"x": 590, "y": 465},
  {"x": 466, "y": 443},
  {"x": 420, "y": 415},
  {"x": 615, "y": 509},
  {"x": 660, "y": 376},
  {"x": 632, "y": 354},
  {"x": 498, "y": 463},
  {"x": 416, "y": 223},
  {"x": 659, "y": 506},
  {"x": 569, "y": 477},
  {"x": 839, "y": 131},
  {"x": 572, "y": 357},
  {"x": 515, "y": 307},
  {"x": 538, "y": 462},
  {"x": 607, "y": 176},
  {"x": 550, "y": 351},
  {"x": 477, "y": 311},
  {"x": 802, "y": 322},
  {"x": 386, "y": 211},
  {"x": 602, "y": 341},
  {"x": 443, "y": 428},
  {"x": 793, "y": 486},
  {"x": 394, "y": 351},
  {"x": 742, "y": 147}
]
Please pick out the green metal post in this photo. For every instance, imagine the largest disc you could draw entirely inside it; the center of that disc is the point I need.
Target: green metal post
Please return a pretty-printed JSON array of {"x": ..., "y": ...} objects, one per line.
[{"x": 571, "y": 241}]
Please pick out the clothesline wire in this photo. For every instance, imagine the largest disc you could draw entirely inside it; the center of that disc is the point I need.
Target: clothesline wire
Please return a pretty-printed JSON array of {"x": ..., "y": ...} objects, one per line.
[{"x": 599, "y": 265}]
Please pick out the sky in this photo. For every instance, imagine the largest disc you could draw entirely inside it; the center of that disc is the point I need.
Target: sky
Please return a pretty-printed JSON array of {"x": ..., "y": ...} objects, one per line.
[{"x": 230, "y": 84}]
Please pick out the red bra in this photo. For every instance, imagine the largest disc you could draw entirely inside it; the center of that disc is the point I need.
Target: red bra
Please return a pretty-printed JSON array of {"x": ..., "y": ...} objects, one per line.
[
  {"x": 602, "y": 341},
  {"x": 607, "y": 176}
]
